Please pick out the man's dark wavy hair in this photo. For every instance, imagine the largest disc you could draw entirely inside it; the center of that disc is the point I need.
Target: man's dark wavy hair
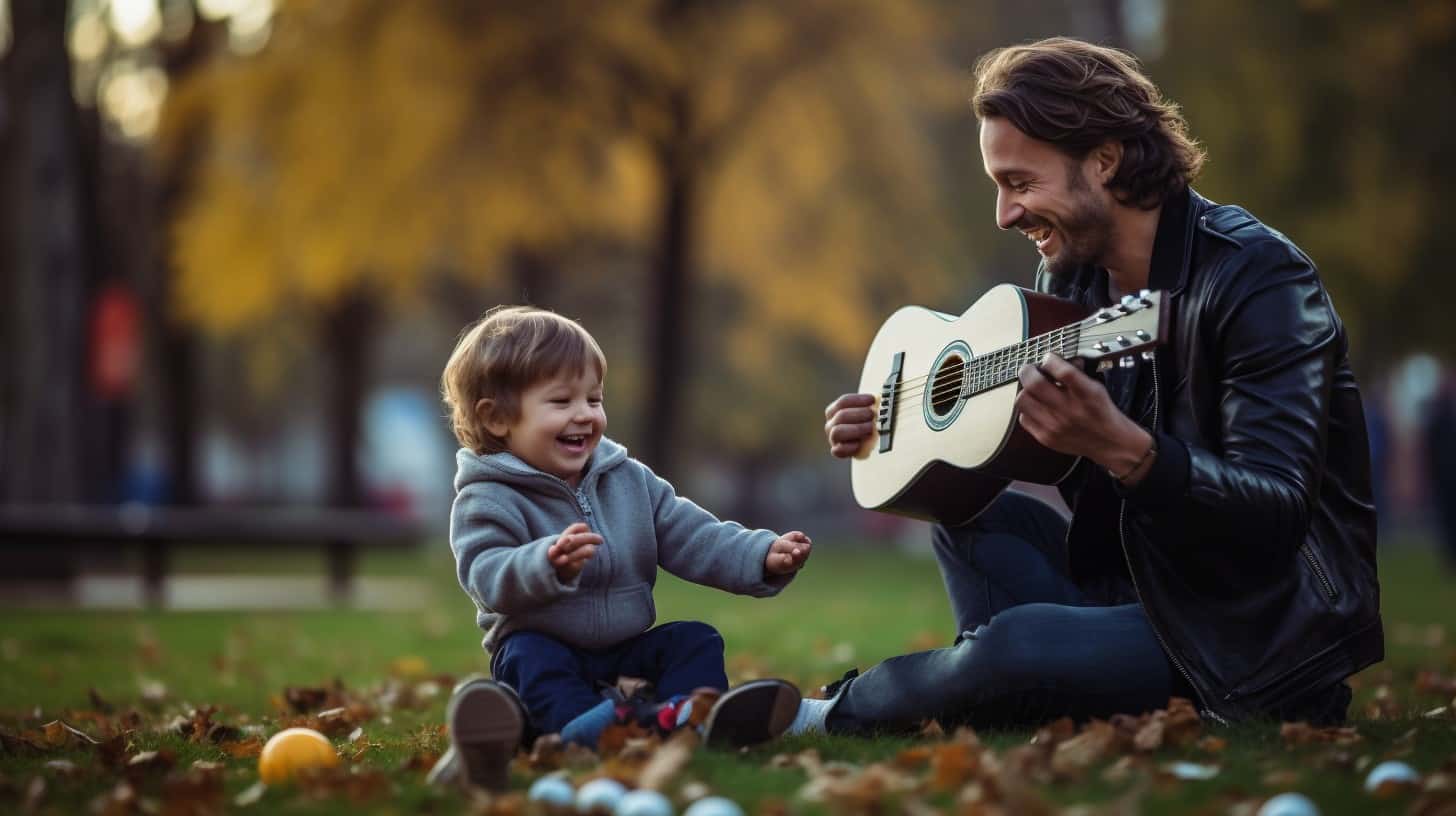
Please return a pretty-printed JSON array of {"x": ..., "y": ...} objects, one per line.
[{"x": 1076, "y": 96}]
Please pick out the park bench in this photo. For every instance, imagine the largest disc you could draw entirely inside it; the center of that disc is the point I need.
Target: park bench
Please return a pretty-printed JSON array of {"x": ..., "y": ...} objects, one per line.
[{"x": 53, "y": 539}]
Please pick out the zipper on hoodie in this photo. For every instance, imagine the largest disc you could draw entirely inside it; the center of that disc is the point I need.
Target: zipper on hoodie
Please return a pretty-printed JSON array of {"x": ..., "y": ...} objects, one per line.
[
  {"x": 590, "y": 518},
  {"x": 1131, "y": 574}
]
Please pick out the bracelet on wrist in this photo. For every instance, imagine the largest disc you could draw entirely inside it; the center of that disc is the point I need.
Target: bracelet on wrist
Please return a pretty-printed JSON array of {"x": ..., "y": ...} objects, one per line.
[{"x": 1142, "y": 460}]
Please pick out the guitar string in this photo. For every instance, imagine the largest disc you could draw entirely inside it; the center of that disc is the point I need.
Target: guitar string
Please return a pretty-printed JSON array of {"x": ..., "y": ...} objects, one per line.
[
  {"x": 987, "y": 364},
  {"x": 1044, "y": 342}
]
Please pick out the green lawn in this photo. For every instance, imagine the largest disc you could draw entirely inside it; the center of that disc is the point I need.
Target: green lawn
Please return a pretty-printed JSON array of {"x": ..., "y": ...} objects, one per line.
[{"x": 393, "y": 669}]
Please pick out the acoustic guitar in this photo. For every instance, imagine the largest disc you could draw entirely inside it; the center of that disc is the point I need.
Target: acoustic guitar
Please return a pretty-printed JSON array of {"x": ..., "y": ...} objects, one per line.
[{"x": 946, "y": 439}]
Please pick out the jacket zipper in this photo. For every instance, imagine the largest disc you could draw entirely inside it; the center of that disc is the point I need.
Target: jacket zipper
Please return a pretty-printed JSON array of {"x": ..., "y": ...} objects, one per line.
[
  {"x": 1131, "y": 574},
  {"x": 1319, "y": 571},
  {"x": 586, "y": 512}
]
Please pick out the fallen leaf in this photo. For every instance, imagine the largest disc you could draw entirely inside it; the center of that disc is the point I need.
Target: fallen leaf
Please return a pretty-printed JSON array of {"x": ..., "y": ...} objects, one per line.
[
  {"x": 1212, "y": 744},
  {"x": 19, "y": 745},
  {"x": 251, "y": 795},
  {"x": 669, "y": 760},
  {"x": 1097, "y": 741},
  {"x": 60, "y": 734},
  {"x": 242, "y": 749},
  {"x": 1302, "y": 733},
  {"x": 952, "y": 763}
]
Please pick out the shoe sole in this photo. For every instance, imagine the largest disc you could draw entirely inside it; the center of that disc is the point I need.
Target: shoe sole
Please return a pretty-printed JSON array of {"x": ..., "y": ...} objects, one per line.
[
  {"x": 485, "y": 728},
  {"x": 752, "y": 713}
]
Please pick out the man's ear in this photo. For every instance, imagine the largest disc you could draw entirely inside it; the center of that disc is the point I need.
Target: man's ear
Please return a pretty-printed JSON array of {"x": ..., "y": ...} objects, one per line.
[
  {"x": 1106, "y": 158},
  {"x": 485, "y": 412}
]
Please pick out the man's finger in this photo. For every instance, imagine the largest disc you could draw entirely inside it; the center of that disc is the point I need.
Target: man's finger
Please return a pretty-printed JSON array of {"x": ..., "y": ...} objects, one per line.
[
  {"x": 843, "y": 434},
  {"x": 848, "y": 401},
  {"x": 1068, "y": 373}
]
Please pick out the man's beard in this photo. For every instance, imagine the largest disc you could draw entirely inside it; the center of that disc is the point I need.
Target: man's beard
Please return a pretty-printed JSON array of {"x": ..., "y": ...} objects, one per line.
[{"x": 1086, "y": 231}]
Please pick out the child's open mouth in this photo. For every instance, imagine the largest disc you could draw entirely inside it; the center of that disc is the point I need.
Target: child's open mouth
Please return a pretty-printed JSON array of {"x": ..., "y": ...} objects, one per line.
[{"x": 574, "y": 443}]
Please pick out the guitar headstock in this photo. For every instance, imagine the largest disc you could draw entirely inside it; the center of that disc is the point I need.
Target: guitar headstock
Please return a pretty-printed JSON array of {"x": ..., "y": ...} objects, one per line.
[{"x": 1124, "y": 332}]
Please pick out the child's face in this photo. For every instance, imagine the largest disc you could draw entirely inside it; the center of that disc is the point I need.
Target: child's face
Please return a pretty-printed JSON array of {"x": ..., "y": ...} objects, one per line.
[{"x": 561, "y": 421}]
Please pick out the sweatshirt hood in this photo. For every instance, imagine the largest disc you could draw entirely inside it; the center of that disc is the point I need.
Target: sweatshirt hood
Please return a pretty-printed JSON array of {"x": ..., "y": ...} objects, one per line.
[{"x": 507, "y": 468}]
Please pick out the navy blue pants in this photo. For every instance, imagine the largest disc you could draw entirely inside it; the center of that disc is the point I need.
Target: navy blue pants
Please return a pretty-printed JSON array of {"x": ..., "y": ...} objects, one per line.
[
  {"x": 1033, "y": 647},
  {"x": 557, "y": 682}
]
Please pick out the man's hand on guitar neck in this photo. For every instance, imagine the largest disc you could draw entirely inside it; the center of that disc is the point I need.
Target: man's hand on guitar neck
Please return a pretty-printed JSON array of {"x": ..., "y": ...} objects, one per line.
[
  {"x": 1067, "y": 411},
  {"x": 848, "y": 421}
]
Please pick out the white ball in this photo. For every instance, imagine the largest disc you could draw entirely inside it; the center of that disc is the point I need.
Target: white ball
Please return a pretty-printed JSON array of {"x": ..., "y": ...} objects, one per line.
[
  {"x": 552, "y": 791},
  {"x": 1391, "y": 772},
  {"x": 1289, "y": 804},
  {"x": 599, "y": 795},
  {"x": 713, "y": 806},
  {"x": 644, "y": 803}
]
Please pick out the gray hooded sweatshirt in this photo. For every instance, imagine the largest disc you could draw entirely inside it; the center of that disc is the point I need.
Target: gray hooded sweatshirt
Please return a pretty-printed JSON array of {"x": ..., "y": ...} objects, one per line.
[{"x": 507, "y": 513}]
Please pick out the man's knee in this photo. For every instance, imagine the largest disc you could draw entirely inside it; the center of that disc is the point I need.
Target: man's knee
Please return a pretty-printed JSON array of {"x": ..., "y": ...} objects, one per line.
[{"x": 1009, "y": 648}]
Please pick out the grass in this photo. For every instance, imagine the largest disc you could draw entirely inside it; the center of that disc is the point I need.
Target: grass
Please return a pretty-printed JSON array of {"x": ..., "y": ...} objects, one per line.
[{"x": 851, "y": 607}]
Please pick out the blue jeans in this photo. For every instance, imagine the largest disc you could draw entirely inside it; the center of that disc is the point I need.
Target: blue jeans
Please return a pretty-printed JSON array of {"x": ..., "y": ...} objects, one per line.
[
  {"x": 1033, "y": 647},
  {"x": 557, "y": 682}
]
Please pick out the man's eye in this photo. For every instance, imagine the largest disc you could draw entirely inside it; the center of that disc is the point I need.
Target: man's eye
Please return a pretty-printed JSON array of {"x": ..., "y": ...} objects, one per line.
[{"x": 1018, "y": 186}]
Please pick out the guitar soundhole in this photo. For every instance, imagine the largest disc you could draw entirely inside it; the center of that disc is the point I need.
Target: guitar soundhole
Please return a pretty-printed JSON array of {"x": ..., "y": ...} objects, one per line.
[{"x": 945, "y": 390}]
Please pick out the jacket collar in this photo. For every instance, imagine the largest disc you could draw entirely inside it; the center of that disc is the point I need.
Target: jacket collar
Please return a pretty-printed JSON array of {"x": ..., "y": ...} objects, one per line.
[{"x": 1173, "y": 242}]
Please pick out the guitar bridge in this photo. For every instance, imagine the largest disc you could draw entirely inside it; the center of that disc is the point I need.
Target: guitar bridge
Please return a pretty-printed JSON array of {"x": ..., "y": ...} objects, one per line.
[{"x": 889, "y": 395}]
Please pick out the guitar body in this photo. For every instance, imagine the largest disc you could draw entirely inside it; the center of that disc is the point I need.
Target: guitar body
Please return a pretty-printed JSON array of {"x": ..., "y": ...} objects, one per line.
[{"x": 948, "y": 454}]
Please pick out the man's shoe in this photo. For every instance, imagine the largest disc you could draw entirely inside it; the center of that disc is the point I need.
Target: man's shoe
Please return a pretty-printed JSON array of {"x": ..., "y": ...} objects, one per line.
[
  {"x": 754, "y": 712},
  {"x": 486, "y": 721}
]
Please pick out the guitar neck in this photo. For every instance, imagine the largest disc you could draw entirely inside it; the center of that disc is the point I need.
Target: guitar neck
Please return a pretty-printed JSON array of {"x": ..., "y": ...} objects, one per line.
[
  {"x": 1111, "y": 336},
  {"x": 1000, "y": 367}
]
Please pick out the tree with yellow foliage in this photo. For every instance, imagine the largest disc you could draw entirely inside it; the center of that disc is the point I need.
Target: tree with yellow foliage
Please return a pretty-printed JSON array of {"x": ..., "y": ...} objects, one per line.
[{"x": 780, "y": 150}]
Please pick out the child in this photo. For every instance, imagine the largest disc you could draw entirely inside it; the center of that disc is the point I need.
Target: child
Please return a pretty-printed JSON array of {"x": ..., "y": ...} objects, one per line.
[{"x": 558, "y": 534}]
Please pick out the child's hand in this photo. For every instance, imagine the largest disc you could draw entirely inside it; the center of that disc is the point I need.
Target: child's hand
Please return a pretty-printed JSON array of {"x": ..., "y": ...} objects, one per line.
[
  {"x": 569, "y": 554},
  {"x": 787, "y": 554}
]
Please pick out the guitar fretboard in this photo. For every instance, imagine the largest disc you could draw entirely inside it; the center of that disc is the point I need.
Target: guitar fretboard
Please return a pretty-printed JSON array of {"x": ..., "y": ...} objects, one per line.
[{"x": 1000, "y": 366}]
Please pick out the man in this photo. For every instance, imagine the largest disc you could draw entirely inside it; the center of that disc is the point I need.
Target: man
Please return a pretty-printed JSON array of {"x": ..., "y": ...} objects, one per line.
[{"x": 1222, "y": 539}]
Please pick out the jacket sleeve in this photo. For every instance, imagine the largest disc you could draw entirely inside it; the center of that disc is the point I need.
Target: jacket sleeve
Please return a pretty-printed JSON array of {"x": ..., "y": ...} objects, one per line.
[
  {"x": 500, "y": 567},
  {"x": 1275, "y": 339},
  {"x": 695, "y": 546}
]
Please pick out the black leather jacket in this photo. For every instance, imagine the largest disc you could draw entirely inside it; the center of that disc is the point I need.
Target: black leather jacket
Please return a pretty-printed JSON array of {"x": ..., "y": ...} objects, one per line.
[{"x": 1251, "y": 541}]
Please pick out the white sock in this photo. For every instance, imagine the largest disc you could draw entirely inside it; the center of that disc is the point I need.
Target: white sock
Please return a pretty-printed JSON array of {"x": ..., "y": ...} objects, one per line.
[{"x": 810, "y": 717}]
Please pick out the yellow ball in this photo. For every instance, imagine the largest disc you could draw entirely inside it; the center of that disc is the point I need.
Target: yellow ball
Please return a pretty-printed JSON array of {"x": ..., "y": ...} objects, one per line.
[{"x": 292, "y": 750}]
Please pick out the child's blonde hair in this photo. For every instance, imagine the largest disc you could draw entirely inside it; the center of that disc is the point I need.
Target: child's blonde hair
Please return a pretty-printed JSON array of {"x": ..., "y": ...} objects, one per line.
[{"x": 499, "y": 356}]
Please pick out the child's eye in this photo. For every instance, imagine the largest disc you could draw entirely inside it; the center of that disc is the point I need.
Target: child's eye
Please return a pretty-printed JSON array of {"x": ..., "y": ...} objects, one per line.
[{"x": 560, "y": 401}]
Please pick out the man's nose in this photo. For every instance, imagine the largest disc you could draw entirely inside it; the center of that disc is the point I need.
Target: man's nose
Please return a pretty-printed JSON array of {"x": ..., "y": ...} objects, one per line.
[{"x": 1008, "y": 212}]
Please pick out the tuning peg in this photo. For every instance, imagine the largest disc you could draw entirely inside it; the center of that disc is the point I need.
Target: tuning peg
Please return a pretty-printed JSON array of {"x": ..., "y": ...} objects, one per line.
[
  {"x": 1123, "y": 341},
  {"x": 1142, "y": 335},
  {"x": 1127, "y": 362},
  {"x": 1148, "y": 355},
  {"x": 1131, "y": 302},
  {"x": 1145, "y": 297},
  {"x": 1104, "y": 364}
]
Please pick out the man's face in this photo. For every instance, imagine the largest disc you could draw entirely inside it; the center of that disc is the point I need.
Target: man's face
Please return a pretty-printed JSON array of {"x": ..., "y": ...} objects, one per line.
[{"x": 1047, "y": 196}]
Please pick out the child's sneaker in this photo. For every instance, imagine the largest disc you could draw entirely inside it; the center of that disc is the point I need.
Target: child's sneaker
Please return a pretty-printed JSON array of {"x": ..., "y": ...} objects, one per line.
[
  {"x": 754, "y": 712},
  {"x": 487, "y": 722}
]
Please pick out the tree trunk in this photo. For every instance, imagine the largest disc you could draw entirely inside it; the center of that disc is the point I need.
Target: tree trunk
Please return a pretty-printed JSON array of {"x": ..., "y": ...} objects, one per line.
[
  {"x": 534, "y": 278},
  {"x": 668, "y": 321},
  {"x": 348, "y": 327},
  {"x": 45, "y": 402}
]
